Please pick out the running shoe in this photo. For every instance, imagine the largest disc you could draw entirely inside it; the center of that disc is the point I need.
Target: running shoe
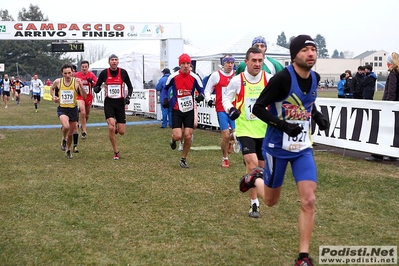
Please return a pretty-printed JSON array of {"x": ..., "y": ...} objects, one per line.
[
  {"x": 248, "y": 181},
  {"x": 225, "y": 163},
  {"x": 183, "y": 164},
  {"x": 173, "y": 144},
  {"x": 254, "y": 211},
  {"x": 6, "y": 106},
  {"x": 117, "y": 155},
  {"x": 63, "y": 144},
  {"x": 304, "y": 262},
  {"x": 236, "y": 145},
  {"x": 75, "y": 149},
  {"x": 68, "y": 154},
  {"x": 181, "y": 144},
  {"x": 84, "y": 135},
  {"x": 37, "y": 110}
]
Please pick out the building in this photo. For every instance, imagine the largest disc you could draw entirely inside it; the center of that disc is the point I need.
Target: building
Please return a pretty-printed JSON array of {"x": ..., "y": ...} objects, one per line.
[{"x": 331, "y": 68}]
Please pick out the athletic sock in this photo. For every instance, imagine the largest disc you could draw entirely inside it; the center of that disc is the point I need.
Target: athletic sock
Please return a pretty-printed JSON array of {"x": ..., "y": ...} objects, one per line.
[
  {"x": 35, "y": 105},
  {"x": 255, "y": 201},
  {"x": 75, "y": 139},
  {"x": 303, "y": 255}
]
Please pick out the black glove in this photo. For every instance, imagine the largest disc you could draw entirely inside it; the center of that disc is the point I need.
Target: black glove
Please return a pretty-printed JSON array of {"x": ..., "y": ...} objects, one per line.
[
  {"x": 165, "y": 103},
  {"x": 127, "y": 100},
  {"x": 200, "y": 98},
  {"x": 292, "y": 130},
  {"x": 210, "y": 103},
  {"x": 97, "y": 89},
  {"x": 320, "y": 120},
  {"x": 234, "y": 113},
  {"x": 89, "y": 80}
]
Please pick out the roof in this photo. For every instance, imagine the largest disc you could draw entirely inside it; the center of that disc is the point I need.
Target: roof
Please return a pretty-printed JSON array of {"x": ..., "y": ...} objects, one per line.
[
  {"x": 238, "y": 46},
  {"x": 364, "y": 54}
]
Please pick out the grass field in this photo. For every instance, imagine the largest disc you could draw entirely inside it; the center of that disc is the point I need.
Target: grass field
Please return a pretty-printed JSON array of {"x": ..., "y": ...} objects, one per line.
[{"x": 145, "y": 210}]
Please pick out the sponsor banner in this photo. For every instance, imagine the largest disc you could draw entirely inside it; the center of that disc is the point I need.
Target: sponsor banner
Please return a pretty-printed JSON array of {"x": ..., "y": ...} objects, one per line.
[
  {"x": 46, "y": 93},
  {"x": 46, "y": 30},
  {"x": 364, "y": 255},
  {"x": 362, "y": 125},
  {"x": 141, "y": 101}
]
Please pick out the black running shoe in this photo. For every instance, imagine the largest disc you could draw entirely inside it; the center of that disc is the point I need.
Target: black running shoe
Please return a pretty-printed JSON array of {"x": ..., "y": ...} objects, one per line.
[
  {"x": 63, "y": 144},
  {"x": 68, "y": 154},
  {"x": 183, "y": 164},
  {"x": 173, "y": 144}
]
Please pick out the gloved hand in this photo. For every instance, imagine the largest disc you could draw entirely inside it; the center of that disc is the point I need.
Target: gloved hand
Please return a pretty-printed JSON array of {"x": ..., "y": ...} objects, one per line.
[
  {"x": 165, "y": 103},
  {"x": 89, "y": 80},
  {"x": 292, "y": 130},
  {"x": 210, "y": 103},
  {"x": 320, "y": 120},
  {"x": 199, "y": 98},
  {"x": 234, "y": 113},
  {"x": 97, "y": 89},
  {"x": 127, "y": 100}
]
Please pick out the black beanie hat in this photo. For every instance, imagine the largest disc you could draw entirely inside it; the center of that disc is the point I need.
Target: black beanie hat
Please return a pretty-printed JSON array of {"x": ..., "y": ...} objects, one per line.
[
  {"x": 298, "y": 43},
  {"x": 112, "y": 56}
]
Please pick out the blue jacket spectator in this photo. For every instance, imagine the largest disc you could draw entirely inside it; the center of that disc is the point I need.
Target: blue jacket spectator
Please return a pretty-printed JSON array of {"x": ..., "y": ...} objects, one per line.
[{"x": 166, "y": 112}]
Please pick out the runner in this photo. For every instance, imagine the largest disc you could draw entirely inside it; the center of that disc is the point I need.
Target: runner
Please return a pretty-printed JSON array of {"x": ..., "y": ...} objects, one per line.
[
  {"x": 88, "y": 80},
  {"x": 6, "y": 85},
  {"x": 217, "y": 83},
  {"x": 183, "y": 83},
  {"x": 68, "y": 89},
  {"x": 115, "y": 79},
  {"x": 36, "y": 87},
  {"x": 245, "y": 89}
]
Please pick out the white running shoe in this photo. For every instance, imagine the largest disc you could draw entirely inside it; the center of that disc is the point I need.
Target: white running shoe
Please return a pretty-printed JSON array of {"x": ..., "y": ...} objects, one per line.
[
  {"x": 181, "y": 146},
  {"x": 236, "y": 145}
]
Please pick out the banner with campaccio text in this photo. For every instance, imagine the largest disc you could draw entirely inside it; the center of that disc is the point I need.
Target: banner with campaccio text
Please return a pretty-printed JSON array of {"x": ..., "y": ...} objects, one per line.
[{"x": 47, "y": 30}]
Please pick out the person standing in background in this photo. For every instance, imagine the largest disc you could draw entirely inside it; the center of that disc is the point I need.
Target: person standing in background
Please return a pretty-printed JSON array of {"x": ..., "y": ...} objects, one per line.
[
  {"x": 348, "y": 89},
  {"x": 391, "y": 93},
  {"x": 357, "y": 86},
  {"x": 368, "y": 83},
  {"x": 166, "y": 112},
  {"x": 341, "y": 86}
]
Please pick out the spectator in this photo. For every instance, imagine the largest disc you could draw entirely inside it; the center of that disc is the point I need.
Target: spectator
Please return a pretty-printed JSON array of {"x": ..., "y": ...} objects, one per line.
[
  {"x": 166, "y": 112},
  {"x": 391, "y": 93},
  {"x": 357, "y": 80},
  {"x": 348, "y": 89},
  {"x": 341, "y": 86},
  {"x": 368, "y": 83}
]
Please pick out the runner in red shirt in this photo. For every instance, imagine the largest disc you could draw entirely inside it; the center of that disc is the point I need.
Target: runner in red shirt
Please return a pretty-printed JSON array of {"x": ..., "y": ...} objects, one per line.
[{"x": 88, "y": 81}]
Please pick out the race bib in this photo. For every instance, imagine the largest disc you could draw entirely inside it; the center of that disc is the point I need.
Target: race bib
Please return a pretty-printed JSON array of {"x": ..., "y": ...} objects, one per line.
[
  {"x": 67, "y": 97},
  {"x": 249, "y": 105},
  {"x": 186, "y": 103},
  {"x": 301, "y": 141},
  {"x": 114, "y": 91},
  {"x": 86, "y": 88}
]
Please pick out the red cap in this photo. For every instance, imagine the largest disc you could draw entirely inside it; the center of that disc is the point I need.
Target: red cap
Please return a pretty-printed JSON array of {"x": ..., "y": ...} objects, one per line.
[{"x": 184, "y": 58}]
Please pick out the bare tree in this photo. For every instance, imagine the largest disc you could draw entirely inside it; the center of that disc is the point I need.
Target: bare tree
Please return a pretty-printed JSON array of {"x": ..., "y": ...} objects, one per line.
[{"x": 94, "y": 52}]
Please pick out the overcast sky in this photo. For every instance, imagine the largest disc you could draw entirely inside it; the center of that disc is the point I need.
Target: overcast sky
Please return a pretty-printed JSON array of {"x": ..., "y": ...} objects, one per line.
[{"x": 355, "y": 26}]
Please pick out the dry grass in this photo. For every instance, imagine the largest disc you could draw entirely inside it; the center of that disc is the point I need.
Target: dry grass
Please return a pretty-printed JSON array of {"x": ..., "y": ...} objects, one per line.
[{"x": 145, "y": 210}]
